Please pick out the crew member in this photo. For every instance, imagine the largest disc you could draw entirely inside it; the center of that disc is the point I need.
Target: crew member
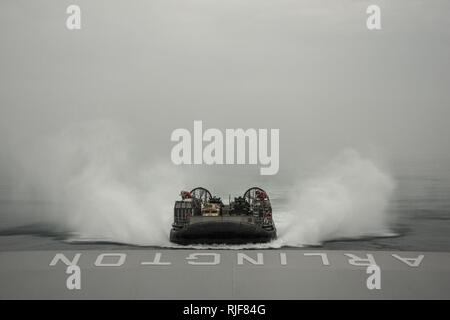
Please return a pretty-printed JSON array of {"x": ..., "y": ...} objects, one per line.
[{"x": 185, "y": 195}]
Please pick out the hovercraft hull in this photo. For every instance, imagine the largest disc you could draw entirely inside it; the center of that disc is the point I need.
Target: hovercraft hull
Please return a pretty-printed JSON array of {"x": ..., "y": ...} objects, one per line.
[{"x": 222, "y": 230}]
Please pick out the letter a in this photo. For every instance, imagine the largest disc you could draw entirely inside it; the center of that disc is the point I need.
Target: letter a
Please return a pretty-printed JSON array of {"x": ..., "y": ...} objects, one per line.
[
  {"x": 374, "y": 280},
  {"x": 374, "y": 20},
  {"x": 74, "y": 280},
  {"x": 73, "y": 21}
]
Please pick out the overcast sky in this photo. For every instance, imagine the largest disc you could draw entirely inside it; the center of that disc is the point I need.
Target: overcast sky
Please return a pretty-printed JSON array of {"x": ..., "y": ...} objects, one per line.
[{"x": 309, "y": 68}]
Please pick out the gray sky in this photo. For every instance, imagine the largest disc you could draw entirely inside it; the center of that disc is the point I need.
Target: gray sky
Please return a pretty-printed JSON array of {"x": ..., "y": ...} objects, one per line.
[{"x": 309, "y": 68}]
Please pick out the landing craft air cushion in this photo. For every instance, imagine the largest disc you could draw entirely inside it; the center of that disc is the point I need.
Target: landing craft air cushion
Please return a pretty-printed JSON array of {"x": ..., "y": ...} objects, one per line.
[{"x": 200, "y": 218}]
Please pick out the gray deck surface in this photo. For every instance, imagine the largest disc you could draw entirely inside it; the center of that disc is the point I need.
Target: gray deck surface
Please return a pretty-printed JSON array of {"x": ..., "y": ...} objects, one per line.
[{"x": 28, "y": 274}]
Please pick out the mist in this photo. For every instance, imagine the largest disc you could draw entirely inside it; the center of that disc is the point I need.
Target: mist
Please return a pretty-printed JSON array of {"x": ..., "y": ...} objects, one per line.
[
  {"x": 308, "y": 68},
  {"x": 347, "y": 199}
]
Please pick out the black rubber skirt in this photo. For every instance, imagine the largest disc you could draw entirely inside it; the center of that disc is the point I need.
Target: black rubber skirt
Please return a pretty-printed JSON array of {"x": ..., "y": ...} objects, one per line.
[{"x": 225, "y": 232}]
